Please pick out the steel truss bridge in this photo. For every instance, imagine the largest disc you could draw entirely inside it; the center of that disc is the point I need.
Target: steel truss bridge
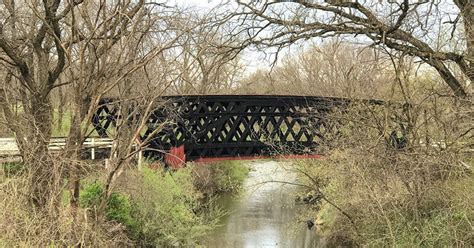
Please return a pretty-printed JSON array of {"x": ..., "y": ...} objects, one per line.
[{"x": 215, "y": 127}]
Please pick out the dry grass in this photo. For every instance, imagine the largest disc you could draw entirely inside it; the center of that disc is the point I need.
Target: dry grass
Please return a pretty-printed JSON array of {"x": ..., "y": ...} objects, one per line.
[
  {"x": 378, "y": 195},
  {"x": 23, "y": 226}
]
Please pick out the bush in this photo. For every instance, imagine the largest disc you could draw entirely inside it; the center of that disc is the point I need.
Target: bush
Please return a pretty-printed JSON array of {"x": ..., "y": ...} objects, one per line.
[
  {"x": 386, "y": 211},
  {"x": 220, "y": 177},
  {"x": 119, "y": 209},
  {"x": 230, "y": 175},
  {"x": 380, "y": 194},
  {"x": 165, "y": 207},
  {"x": 22, "y": 226},
  {"x": 118, "y": 206},
  {"x": 91, "y": 195},
  {"x": 12, "y": 168}
]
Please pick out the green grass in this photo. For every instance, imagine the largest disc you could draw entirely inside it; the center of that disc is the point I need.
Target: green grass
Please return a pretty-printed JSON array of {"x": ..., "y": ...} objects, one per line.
[
  {"x": 63, "y": 131},
  {"x": 65, "y": 126}
]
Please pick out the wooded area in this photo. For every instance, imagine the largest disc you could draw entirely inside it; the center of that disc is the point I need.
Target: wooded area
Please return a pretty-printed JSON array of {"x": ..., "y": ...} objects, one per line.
[{"x": 58, "y": 58}]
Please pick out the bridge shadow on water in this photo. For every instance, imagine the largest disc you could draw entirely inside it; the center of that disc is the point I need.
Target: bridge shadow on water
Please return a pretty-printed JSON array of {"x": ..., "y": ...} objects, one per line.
[{"x": 265, "y": 214}]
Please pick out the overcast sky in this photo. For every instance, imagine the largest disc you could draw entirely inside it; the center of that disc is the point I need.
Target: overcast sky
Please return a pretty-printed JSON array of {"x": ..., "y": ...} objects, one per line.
[{"x": 202, "y": 4}]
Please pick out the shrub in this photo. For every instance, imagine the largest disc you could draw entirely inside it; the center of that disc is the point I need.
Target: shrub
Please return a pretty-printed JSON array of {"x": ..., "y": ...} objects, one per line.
[
  {"x": 165, "y": 206},
  {"x": 381, "y": 194},
  {"x": 230, "y": 175},
  {"x": 387, "y": 212},
  {"x": 219, "y": 177},
  {"x": 21, "y": 226},
  {"x": 118, "y": 205},
  {"x": 119, "y": 209},
  {"x": 12, "y": 168},
  {"x": 91, "y": 195}
]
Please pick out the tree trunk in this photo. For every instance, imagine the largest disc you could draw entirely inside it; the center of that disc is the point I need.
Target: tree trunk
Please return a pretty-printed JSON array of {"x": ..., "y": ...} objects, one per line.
[
  {"x": 468, "y": 15},
  {"x": 45, "y": 176},
  {"x": 455, "y": 84},
  {"x": 466, "y": 8},
  {"x": 74, "y": 146},
  {"x": 61, "y": 108}
]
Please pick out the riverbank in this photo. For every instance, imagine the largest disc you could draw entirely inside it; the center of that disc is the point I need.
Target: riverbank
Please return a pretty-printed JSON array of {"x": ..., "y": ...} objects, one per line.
[
  {"x": 410, "y": 201},
  {"x": 216, "y": 178},
  {"x": 150, "y": 206}
]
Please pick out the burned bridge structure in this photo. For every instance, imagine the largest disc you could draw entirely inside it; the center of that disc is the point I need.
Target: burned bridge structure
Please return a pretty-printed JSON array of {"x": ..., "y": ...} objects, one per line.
[{"x": 214, "y": 127}]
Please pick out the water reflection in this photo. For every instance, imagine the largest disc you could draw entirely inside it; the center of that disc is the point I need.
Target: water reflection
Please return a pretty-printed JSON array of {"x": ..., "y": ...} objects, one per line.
[{"x": 265, "y": 215}]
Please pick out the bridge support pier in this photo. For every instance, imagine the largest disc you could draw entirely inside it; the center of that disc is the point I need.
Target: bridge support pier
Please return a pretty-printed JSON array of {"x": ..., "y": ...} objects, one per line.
[{"x": 176, "y": 157}]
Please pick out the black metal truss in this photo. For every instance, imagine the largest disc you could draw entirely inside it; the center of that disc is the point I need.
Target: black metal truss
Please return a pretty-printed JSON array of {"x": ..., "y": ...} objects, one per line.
[{"x": 232, "y": 125}]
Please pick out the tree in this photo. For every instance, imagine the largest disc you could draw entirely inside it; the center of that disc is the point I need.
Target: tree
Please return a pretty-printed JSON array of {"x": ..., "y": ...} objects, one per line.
[
  {"x": 91, "y": 47},
  {"x": 205, "y": 65},
  {"x": 405, "y": 26},
  {"x": 333, "y": 68}
]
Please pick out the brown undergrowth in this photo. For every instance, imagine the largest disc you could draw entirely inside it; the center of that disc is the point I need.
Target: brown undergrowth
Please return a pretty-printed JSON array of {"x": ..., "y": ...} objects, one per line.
[
  {"x": 23, "y": 226},
  {"x": 412, "y": 187}
]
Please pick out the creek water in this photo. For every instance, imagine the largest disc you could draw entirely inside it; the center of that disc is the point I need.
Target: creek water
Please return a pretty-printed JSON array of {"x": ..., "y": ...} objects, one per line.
[{"x": 265, "y": 213}]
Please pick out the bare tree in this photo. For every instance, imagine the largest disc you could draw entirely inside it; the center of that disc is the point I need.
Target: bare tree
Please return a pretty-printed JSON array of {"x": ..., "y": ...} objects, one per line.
[
  {"x": 93, "y": 46},
  {"x": 412, "y": 27},
  {"x": 333, "y": 68},
  {"x": 205, "y": 64}
]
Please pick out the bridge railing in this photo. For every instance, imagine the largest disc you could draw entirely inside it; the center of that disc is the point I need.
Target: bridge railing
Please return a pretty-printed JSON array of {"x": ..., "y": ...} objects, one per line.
[{"x": 9, "y": 148}]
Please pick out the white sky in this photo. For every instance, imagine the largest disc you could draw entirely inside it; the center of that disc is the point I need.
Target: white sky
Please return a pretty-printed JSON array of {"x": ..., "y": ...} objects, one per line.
[{"x": 204, "y": 4}]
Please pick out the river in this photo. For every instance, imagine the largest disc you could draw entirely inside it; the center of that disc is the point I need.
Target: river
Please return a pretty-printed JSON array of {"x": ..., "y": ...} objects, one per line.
[{"x": 265, "y": 213}]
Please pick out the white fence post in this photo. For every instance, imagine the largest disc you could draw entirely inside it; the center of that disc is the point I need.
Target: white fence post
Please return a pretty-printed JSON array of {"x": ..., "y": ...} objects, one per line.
[
  {"x": 93, "y": 149},
  {"x": 114, "y": 145}
]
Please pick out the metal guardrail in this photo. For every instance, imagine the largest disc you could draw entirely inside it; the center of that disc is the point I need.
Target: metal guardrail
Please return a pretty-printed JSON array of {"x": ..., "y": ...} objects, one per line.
[{"x": 8, "y": 146}]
